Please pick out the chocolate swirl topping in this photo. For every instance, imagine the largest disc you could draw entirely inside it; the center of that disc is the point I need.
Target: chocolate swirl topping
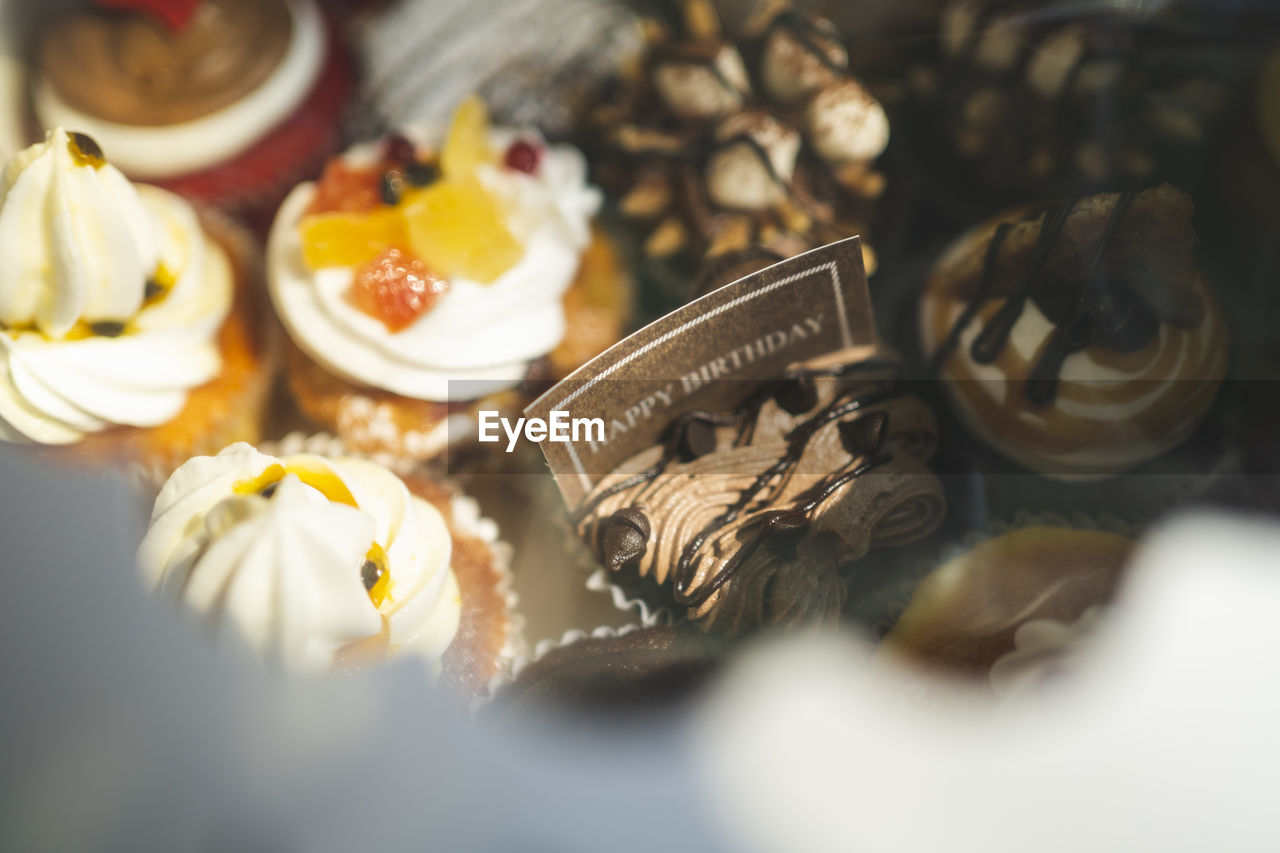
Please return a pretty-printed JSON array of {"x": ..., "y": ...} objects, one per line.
[
  {"x": 749, "y": 518},
  {"x": 128, "y": 68}
]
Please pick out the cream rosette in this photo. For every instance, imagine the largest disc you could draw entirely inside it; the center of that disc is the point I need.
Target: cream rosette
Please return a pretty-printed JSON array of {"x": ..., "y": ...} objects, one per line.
[
  {"x": 308, "y": 561},
  {"x": 111, "y": 297}
]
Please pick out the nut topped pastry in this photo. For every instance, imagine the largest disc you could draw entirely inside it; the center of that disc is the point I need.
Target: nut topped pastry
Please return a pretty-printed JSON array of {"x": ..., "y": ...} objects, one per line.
[
  {"x": 763, "y": 145},
  {"x": 750, "y": 518},
  {"x": 1079, "y": 338}
]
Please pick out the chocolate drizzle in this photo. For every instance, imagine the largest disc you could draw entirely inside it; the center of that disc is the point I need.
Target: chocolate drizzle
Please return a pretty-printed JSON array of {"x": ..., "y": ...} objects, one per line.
[
  {"x": 1094, "y": 307},
  {"x": 698, "y": 55},
  {"x": 842, "y": 406},
  {"x": 743, "y": 417},
  {"x": 994, "y": 336},
  {"x": 1097, "y": 310},
  {"x": 809, "y": 32}
]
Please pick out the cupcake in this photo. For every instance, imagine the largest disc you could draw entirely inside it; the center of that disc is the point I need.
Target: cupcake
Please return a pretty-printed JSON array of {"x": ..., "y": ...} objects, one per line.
[
  {"x": 731, "y": 154},
  {"x": 316, "y": 563},
  {"x": 753, "y": 518},
  {"x": 1080, "y": 338},
  {"x": 128, "y": 327},
  {"x": 1011, "y": 609},
  {"x": 226, "y": 102},
  {"x": 1033, "y": 101},
  {"x": 421, "y": 282}
]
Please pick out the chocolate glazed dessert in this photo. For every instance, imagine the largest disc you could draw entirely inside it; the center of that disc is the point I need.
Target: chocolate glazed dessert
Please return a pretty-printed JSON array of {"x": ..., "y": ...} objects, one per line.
[
  {"x": 1079, "y": 338},
  {"x": 754, "y": 517},
  {"x": 733, "y": 153},
  {"x": 642, "y": 670}
]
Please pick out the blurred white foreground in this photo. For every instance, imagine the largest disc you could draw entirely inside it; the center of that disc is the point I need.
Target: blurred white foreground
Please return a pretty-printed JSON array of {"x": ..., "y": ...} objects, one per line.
[{"x": 121, "y": 729}]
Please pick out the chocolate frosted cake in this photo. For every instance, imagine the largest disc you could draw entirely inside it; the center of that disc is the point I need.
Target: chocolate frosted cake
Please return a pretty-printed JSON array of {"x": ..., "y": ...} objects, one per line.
[
  {"x": 1079, "y": 338},
  {"x": 751, "y": 518},
  {"x": 742, "y": 152}
]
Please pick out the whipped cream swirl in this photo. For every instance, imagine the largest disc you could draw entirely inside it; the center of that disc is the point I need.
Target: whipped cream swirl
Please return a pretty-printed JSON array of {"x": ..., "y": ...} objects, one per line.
[
  {"x": 480, "y": 336},
  {"x": 82, "y": 348},
  {"x": 273, "y": 553}
]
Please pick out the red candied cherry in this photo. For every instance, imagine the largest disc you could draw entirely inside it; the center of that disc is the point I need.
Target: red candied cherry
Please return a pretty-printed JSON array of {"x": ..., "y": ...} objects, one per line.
[
  {"x": 396, "y": 288},
  {"x": 523, "y": 156}
]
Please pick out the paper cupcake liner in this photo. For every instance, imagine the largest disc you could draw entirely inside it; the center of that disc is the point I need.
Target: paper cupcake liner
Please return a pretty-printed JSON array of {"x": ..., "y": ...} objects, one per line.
[
  {"x": 466, "y": 519},
  {"x": 646, "y": 613},
  {"x": 894, "y": 597}
]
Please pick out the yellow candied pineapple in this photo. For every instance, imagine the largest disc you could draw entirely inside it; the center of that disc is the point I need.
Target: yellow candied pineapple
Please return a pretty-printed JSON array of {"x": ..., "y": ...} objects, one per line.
[
  {"x": 454, "y": 226},
  {"x": 466, "y": 147},
  {"x": 457, "y": 228},
  {"x": 349, "y": 239}
]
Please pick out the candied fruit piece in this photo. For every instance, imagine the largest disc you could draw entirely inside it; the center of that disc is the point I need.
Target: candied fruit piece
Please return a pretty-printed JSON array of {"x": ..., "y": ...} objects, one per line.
[
  {"x": 397, "y": 289},
  {"x": 344, "y": 188},
  {"x": 466, "y": 147},
  {"x": 523, "y": 156},
  {"x": 457, "y": 227},
  {"x": 349, "y": 239}
]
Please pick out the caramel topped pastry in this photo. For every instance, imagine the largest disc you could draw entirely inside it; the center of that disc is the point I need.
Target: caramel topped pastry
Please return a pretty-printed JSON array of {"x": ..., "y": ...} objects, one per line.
[
  {"x": 1080, "y": 338},
  {"x": 753, "y": 149},
  {"x": 1010, "y": 608},
  {"x": 752, "y": 517}
]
